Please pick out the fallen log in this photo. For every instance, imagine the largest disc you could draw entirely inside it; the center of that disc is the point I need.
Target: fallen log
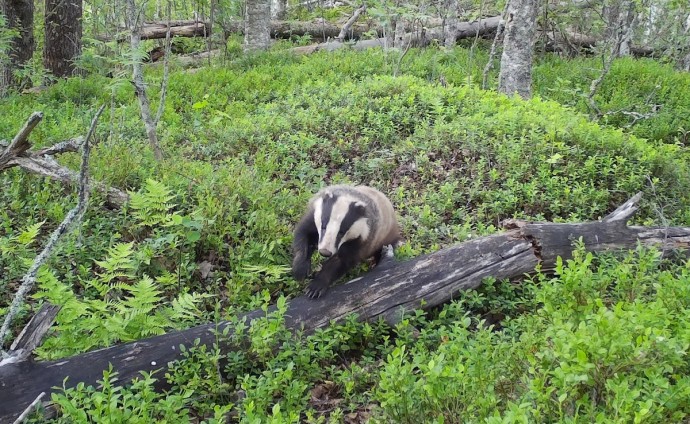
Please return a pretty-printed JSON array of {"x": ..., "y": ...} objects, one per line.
[
  {"x": 325, "y": 30},
  {"x": 41, "y": 162},
  {"x": 155, "y": 30},
  {"x": 576, "y": 42},
  {"x": 482, "y": 28},
  {"x": 279, "y": 29},
  {"x": 388, "y": 291}
]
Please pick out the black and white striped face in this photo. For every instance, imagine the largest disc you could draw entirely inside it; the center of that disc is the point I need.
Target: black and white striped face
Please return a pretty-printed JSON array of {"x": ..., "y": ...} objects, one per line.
[{"x": 339, "y": 218}]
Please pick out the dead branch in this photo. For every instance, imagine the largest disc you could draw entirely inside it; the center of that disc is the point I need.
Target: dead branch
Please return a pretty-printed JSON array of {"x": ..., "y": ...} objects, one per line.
[
  {"x": 20, "y": 143},
  {"x": 389, "y": 291},
  {"x": 596, "y": 83},
  {"x": 71, "y": 145},
  {"x": 581, "y": 42},
  {"x": 32, "y": 333},
  {"x": 73, "y": 215},
  {"x": 346, "y": 28},
  {"x": 166, "y": 73},
  {"x": 492, "y": 52},
  {"x": 41, "y": 163},
  {"x": 29, "y": 408}
]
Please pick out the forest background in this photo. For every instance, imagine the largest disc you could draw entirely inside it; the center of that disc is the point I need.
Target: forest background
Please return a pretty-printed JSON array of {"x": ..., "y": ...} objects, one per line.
[{"x": 222, "y": 118}]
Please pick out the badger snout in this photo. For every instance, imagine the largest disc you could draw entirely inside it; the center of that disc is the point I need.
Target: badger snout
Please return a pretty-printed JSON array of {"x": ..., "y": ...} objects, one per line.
[{"x": 325, "y": 253}]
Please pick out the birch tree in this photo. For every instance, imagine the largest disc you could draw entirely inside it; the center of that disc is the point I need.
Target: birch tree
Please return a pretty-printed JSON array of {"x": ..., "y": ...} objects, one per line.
[
  {"x": 518, "y": 45},
  {"x": 257, "y": 25}
]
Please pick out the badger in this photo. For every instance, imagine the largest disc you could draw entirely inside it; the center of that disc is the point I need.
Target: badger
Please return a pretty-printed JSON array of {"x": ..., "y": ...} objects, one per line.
[{"x": 346, "y": 224}]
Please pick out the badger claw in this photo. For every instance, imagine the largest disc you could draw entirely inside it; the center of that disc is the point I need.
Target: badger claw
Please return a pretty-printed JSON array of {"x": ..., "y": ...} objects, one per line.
[{"x": 316, "y": 289}]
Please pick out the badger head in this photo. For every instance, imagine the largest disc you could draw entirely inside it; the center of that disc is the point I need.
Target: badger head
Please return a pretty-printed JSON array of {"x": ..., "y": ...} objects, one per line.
[{"x": 339, "y": 218}]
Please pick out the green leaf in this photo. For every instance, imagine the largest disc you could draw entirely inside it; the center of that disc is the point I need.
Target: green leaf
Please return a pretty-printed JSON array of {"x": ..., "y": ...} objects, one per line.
[{"x": 193, "y": 236}]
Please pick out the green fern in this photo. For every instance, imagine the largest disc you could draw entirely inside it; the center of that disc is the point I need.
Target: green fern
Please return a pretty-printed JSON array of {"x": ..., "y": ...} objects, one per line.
[
  {"x": 119, "y": 264},
  {"x": 152, "y": 205}
]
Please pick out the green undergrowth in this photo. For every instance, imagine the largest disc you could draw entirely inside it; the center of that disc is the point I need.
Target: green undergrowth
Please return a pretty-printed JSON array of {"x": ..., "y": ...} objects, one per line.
[
  {"x": 206, "y": 236},
  {"x": 605, "y": 340},
  {"x": 644, "y": 97}
]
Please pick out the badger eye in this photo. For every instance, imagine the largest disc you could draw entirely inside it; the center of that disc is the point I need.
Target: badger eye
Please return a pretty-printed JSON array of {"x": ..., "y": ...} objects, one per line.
[{"x": 341, "y": 233}]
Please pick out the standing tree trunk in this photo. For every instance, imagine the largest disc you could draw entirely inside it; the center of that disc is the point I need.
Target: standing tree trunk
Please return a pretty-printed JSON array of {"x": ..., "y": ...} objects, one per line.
[
  {"x": 619, "y": 16},
  {"x": 518, "y": 46},
  {"x": 19, "y": 15},
  {"x": 685, "y": 61},
  {"x": 63, "y": 36},
  {"x": 450, "y": 26},
  {"x": 627, "y": 19},
  {"x": 257, "y": 25},
  {"x": 278, "y": 8}
]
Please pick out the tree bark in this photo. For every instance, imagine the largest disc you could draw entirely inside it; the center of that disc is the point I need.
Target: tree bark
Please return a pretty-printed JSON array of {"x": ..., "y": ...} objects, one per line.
[
  {"x": 278, "y": 9},
  {"x": 451, "y": 23},
  {"x": 388, "y": 291},
  {"x": 155, "y": 30},
  {"x": 63, "y": 32},
  {"x": 19, "y": 15},
  {"x": 348, "y": 25},
  {"x": 482, "y": 28},
  {"x": 257, "y": 25},
  {"x": 518, "y": 46}
]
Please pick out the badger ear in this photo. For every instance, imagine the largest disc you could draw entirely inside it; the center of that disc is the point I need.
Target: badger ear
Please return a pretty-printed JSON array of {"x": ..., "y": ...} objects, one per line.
[{"x": 360, "y": 206}]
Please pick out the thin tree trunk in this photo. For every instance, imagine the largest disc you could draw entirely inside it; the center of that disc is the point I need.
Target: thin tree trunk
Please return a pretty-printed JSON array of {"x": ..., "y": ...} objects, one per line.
[
  {"x": 257, "y": 25},
  {"x": 19, "y": 15},
  {"x": 627, "y": 20},
  {"x": 63, "y": 31},
  {"x": 518, "y": 45},
  {"x": 133, "y": 22},
  {"x": 450, "y": 27}
]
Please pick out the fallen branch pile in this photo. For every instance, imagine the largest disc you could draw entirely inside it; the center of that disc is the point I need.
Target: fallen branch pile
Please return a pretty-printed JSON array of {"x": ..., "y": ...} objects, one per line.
[{"x": 41, "y": 162}]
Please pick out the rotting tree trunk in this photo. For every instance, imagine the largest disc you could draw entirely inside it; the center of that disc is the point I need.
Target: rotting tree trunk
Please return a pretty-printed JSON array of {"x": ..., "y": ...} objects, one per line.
[
  {"x": 19, "y": 15},
  {"x": 388, "y": 292},
  {"x": 481, "y": 28},
  {"x": 518, "y": 47},
  {"x": 257, "y": 25},
  {"x": 63, "y": 31},
  {"x": 156, "y": 30}
]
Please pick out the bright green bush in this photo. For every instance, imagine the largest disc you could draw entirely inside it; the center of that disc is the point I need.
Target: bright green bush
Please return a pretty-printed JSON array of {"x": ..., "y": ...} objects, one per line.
[
  {"x": 608, "y": 344},
  {"x": 649, "y": 99}
]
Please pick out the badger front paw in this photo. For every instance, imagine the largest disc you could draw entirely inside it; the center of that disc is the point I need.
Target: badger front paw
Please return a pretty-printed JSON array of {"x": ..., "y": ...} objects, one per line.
[
  {"x": 300, "y": 269},
  {"x": 316, "y": 289}
]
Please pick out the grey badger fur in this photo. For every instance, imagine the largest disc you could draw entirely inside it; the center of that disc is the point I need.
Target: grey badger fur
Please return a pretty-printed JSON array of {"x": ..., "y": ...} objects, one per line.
[{"x": 347, "y": 224}]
